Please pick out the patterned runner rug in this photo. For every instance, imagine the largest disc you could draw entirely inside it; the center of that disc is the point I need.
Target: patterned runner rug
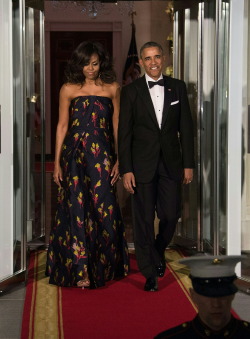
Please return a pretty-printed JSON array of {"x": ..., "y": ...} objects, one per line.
[{"x": 120, "y": 310}]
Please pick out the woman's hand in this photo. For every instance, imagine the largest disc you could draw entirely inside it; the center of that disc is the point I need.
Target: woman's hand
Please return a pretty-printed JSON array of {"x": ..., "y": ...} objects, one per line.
[
  {"x": 115, "y": 173},
  {"x": 57, "y": 175}
]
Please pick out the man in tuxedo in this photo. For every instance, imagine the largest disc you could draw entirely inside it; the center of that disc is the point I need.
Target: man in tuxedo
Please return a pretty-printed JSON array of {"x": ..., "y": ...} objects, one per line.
[{"x": 156, "y": 154}]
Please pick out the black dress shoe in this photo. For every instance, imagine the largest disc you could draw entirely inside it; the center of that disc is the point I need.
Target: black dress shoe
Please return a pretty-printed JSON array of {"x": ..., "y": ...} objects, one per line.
[
  {"x": 161, "y": 268},
  {"x": 151, "y": 284}
]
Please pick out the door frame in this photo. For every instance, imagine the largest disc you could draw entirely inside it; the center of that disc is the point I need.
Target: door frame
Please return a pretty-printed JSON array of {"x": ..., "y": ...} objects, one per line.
[{"x": 114, "y": 27}]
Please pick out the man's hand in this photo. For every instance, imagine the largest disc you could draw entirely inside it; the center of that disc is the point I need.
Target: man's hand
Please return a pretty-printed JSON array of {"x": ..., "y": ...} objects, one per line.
[
  {"x": 188, "y": 175},
  {"x": 129, "y": 182}
]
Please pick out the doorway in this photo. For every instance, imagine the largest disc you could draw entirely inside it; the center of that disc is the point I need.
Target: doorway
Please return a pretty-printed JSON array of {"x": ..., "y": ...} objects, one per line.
[
  {"x": 62, "y": 45},
  {"x": 24, "y": 134},
  {"x": 201, "y": 35}
]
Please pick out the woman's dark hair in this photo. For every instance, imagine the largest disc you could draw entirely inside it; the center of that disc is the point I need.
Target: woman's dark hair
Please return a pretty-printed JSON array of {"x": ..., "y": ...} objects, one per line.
[{"x": 81, "y": 57}]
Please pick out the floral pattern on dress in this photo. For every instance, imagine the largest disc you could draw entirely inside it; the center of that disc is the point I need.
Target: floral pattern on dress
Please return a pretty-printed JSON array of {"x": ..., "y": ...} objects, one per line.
[{"x": 88, "y": 236}]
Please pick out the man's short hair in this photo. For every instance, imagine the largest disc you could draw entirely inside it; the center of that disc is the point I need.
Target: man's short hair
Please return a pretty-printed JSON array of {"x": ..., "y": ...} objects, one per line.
[{"x": 150, "y": 44}]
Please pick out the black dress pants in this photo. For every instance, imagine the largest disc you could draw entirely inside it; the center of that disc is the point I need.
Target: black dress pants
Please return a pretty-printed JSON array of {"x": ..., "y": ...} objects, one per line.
[{"x": 163, "y": 195}]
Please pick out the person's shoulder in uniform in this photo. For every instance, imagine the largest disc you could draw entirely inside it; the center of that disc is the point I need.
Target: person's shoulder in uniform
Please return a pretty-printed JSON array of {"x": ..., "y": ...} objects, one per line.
[
  {"x": 236, "y": 329},
  {"x": 180, "y": 331},
  {"x": 243, "y": 329}
]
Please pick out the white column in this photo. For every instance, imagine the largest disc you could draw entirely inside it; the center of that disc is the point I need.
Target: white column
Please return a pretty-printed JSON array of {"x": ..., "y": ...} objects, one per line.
[
  {"x": 237, "y": 105},
  {"x": 6, "y": 155}
]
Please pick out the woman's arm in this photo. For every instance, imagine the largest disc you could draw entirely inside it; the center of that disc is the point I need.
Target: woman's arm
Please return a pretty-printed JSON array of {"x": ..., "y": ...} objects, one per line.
[
  {"x": 116, "y": 104},
  {"x": 62, "y": 128}
]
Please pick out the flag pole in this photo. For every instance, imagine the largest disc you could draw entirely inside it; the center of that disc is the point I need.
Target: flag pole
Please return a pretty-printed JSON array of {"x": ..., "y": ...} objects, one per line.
[{"x": 132, "y": 69}]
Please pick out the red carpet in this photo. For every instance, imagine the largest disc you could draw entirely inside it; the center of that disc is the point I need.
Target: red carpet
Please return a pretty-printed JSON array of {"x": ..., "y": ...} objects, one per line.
[{"x": 119, "y": 310}]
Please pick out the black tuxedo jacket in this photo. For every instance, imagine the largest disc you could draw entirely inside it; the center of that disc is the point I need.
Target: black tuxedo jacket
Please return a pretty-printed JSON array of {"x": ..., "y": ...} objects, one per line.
[{"x": 141, "y": 141}]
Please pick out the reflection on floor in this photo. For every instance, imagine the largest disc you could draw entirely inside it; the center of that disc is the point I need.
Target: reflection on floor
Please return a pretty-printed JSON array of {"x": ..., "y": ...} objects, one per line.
[
  {"x": 11, "y": 306},
  {"x": 11, "y": 309}
]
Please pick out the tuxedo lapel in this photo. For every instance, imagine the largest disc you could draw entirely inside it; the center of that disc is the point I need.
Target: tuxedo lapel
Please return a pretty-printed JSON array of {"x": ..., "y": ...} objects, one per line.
[
  {"x": 146, "y": 98},
  {"x": 168, "y": 95}
]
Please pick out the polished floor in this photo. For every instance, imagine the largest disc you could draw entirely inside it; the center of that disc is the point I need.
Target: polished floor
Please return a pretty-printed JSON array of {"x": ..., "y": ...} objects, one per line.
[{"x": 11, "y": 308}]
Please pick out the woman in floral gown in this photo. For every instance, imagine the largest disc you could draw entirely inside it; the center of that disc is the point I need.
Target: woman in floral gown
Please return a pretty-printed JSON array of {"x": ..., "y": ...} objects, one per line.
[{"x": 87, "y": 242}]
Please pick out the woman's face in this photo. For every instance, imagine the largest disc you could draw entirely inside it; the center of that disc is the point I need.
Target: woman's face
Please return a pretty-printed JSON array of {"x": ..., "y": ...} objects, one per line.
[{"x": 91, "y": 69}]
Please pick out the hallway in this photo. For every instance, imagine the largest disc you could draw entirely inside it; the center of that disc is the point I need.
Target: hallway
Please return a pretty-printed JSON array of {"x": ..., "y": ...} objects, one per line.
[{"x": 205, "y": 41}]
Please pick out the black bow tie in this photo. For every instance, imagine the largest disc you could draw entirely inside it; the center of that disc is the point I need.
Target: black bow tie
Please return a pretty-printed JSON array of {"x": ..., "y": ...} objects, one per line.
[{"x": 159, "y": 82}]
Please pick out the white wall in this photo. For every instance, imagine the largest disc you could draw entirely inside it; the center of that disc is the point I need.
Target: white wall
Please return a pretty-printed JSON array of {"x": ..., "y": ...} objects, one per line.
[
  {"x": 236, "y": 109},
  {"x": 245, "y": 210},
  {"x": 6, "y": 155}
]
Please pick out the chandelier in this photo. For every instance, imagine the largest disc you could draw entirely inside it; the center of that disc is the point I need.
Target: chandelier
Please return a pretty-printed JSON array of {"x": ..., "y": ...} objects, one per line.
[{"x": 94, "y": 8}]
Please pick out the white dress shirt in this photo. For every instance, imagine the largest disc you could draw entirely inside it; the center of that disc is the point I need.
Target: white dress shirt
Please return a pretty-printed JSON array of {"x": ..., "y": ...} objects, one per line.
[{"x": 157, "y": 96}]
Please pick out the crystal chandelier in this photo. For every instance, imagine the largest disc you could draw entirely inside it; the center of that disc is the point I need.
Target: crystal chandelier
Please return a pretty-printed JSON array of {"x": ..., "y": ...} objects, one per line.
[
  {"x": 91, "y": 8},
  {"x": 94, "y": 8}
]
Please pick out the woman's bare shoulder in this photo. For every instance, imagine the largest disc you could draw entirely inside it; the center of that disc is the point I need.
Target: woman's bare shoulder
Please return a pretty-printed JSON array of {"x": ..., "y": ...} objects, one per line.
[
  {"x": 115, "y": 85},
  {"x": 68, "y": 90},
  {"x": 114, "y": 88}
]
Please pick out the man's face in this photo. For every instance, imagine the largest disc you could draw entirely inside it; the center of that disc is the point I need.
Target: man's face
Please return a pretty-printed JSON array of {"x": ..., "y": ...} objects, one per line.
[
  {"x": 152, "y": 61},
  {"x": 214, "y": 312}
]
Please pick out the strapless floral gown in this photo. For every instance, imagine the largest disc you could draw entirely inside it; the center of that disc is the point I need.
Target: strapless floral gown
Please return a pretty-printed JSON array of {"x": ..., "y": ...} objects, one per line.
[{"x": 88, "y": 235}]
